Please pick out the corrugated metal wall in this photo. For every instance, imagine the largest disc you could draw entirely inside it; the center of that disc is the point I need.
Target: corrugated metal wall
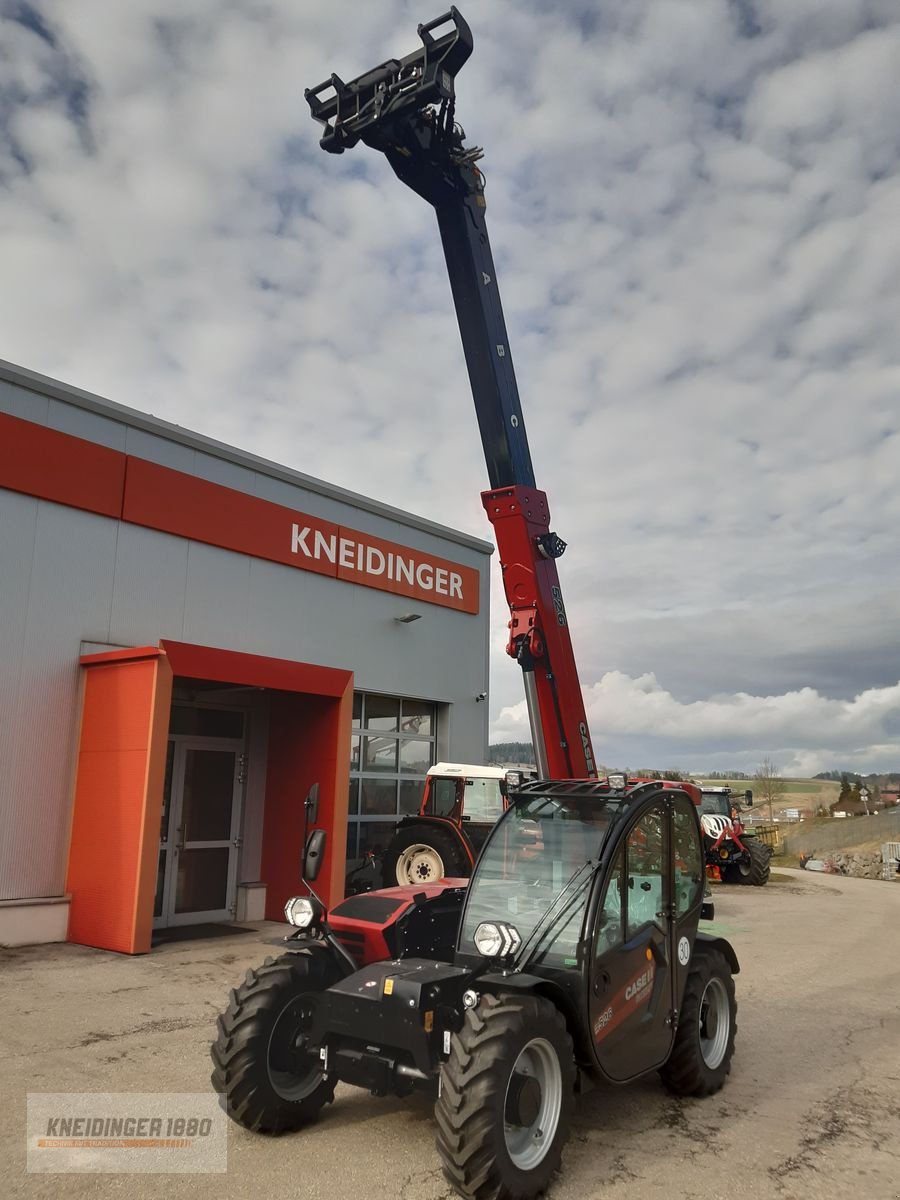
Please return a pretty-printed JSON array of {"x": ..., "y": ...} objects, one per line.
[{"x": 68, "y": 576}]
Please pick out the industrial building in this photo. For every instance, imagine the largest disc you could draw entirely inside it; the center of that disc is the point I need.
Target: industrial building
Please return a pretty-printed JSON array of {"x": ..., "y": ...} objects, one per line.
[{"x": 191, "y": 636}]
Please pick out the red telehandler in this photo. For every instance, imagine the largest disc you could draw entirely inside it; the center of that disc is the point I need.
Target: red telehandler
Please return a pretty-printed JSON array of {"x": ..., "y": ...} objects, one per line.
[{"x": 573, "y": 952}]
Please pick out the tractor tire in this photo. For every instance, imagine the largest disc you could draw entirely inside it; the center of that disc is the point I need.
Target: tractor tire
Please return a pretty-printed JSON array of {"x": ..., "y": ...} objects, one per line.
[
  {"x": 754, "y": 872},
  {"x": 704, "y": 1041},
  {"x": 423, "y": 853},
  {"x": 501, "y": 1130},
  {"x": 272, "y": 1082}
]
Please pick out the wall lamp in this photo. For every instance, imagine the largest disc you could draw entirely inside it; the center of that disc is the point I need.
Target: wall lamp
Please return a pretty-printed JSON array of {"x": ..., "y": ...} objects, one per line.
[{"x": 408, "y": 618}]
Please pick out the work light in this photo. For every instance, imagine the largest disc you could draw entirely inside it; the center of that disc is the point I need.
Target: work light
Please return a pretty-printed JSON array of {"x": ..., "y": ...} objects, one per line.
[
  {"x": 303, "y": 911},
  {"x": 497, "y": 939}
]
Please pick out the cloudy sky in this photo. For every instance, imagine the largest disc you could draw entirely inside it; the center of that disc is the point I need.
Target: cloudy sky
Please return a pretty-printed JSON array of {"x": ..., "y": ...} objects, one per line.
[{"x": 695, "y": 212}]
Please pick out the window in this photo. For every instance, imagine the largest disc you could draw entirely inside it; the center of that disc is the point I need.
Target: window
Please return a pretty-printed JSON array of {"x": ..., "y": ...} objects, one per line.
[
  {"x": 393, "y": 745},
  {"x": 688, "y": 859},
  {"x": 645, "y": 865},
  {"x": 611, "y": 918}
]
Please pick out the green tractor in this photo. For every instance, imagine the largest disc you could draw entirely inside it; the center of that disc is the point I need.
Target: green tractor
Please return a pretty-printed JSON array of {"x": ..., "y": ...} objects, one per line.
[{"x": 573, "y": 954}]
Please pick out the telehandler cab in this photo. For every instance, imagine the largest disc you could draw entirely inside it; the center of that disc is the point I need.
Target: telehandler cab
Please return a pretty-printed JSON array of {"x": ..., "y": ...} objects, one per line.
[{"x": 573, "y": 952}]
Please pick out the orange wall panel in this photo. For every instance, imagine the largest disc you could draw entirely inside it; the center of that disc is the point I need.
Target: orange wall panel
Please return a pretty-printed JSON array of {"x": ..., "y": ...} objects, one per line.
[{"x": 118, "y": 799}]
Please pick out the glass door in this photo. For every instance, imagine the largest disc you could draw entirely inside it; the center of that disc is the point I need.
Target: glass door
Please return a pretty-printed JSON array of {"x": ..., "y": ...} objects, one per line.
[{"x": 199, "y": 834}]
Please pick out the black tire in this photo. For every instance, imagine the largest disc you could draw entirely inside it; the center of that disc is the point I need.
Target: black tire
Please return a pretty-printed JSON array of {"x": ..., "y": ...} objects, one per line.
[
  {"x": 485, "y": 1156},
  {"x": 701, "y": 1056},
  {"x": 255, "y": 1065},
  {"x": 446, "y": 856},
  {"x": 754, "y": 872}
]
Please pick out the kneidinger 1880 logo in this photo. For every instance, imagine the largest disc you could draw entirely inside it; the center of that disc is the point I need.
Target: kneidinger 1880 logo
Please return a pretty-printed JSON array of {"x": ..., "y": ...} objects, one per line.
[{"x": 180, "y": 1132}]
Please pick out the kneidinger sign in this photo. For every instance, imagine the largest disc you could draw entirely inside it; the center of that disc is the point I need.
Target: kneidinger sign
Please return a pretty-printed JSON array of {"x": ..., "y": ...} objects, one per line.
[
  {"x": 193, "y": 508},
  {"x": 135, "y": 1132}
]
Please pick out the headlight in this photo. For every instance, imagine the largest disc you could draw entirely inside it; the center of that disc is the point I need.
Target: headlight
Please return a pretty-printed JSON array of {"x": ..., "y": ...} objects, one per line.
[
  {"x": 496, "y": 939},
  {"x": 303, "y": 911}
]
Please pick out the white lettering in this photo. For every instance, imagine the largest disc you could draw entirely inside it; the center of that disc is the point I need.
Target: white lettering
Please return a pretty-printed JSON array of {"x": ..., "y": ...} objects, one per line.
[
  {"x": 404, "y": 567},
  {"x": 346, "y": 556},
  {"x": 298, "y": 540},
  {"x": 326, "y": 546},
  {"x": 359, "y": 556},
  {"x": 390, "y": 565},
  {"x": 456, "y": 585},
  {"x": 425, "y": 576},
  {"x": 440, "y": 581},
  {"x": 372, "y": 555}
]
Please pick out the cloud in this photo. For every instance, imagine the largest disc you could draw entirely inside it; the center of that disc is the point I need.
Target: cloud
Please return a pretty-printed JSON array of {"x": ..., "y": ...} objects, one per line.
[
  {"x": 693, "y": 212},
  {"x": 803, "y": 731}
]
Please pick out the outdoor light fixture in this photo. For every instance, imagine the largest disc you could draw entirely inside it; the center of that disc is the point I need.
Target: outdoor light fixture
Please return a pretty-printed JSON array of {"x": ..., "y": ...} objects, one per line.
[
  {"x": 408, "y": 618},
  {"x": 616, "y": 781}
]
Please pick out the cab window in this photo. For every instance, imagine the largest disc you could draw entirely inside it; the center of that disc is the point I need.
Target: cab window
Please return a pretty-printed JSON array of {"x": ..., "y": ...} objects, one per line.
[
  {"x": 688, "y": 858},
  {"x": 611, "y": 915},
  {"x": 645, "y": 868}
]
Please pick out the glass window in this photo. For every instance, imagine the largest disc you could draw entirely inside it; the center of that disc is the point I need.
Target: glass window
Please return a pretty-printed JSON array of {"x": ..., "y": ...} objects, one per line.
[
  {"x": 645, "y": 864},
  {"x": 418, "y": 718},
  {"x": 534, "y": 859},
  {"x": 611, "y": 917},
  {"x": 483, "y": 800},
  {"x": 353, "y": 799},
  {"x": 378, "y": 796},
  {"x": 442, "y": 801},
  {"x": 380, "y": 754},
  {"x": 411, "y": 795},
  {"x": 415, "y": 756},
  {"x": 382, "y": 713},
  {"x": 374, "y": 836},
  {"x": 688, "y": 859},
  {"x": 393, "y": 744}
]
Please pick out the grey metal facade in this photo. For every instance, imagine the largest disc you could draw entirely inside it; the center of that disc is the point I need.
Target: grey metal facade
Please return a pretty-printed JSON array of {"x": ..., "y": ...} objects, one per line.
[{"x": 72, "y": 580}]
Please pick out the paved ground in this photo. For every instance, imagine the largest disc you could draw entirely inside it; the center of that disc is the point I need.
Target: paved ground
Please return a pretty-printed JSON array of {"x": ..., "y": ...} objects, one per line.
[{"x": 812, "y": 1107}]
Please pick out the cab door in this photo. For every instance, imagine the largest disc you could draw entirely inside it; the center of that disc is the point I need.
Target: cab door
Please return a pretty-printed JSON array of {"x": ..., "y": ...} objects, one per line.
[{"x": 631, "y": 974}]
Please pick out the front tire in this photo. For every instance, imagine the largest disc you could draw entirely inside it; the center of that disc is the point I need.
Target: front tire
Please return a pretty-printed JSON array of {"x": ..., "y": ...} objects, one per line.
[
  {"x": 263, "y": 1063},
  {"x": 704, "y": 1042},
  {"x": 423, "y": 853},
  {"x": 507, "y": 1093},
  {"x": 755, "y": 869}
]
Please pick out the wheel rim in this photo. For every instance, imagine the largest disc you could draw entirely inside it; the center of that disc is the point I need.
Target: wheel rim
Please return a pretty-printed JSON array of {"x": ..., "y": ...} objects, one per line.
[
  {"x": 715, "y": 1023},
  {"x": 419, "y": 864},
  {"x": 295, "y": 1070},
  {"x": 745, "y": 866},
  {"x": 532, "y": 1104}
]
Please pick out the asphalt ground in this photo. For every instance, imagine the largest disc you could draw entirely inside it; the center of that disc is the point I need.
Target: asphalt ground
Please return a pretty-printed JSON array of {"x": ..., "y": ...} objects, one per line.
[{"x": 811, "y": 1109}]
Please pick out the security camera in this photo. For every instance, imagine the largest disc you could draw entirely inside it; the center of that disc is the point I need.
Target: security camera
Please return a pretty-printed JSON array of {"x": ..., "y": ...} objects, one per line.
[{"x": 481, "y": 696}]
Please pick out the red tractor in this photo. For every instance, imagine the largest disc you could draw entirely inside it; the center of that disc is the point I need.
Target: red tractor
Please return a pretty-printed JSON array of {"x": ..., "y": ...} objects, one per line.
[
  {"x": 460, "y": 805},
  {"x": 734, "y": 854}
]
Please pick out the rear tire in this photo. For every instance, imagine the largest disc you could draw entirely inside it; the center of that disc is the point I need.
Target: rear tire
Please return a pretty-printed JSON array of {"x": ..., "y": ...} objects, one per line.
[
  {"x": 423, "y": 853},
  {"x": 270, "y": 1076},
  {"x": 756, "y": 871},
  {"x": 507, "y": 1094},
  {"x": 704, "y": 1042}
]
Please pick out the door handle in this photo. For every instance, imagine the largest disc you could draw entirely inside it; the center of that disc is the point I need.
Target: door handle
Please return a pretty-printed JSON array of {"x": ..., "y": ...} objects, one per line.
[{"x": 601, "y": 983}]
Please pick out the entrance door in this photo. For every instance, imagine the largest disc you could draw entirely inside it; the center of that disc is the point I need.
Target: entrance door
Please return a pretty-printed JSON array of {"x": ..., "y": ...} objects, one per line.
[{"x": 199, "y": 840}]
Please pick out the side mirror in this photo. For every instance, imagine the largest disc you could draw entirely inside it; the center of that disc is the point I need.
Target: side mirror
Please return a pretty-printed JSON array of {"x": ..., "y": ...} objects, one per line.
[
  {"x": 311, "y": 804},
  {"x": 313, "y": 855}
]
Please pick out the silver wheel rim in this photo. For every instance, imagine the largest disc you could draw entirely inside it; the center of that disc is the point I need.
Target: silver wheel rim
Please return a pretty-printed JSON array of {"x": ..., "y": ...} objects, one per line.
[
  {"x": 528, "y": 1145},
  {"x": 714, "y": 1022},
  {"x": 419, "y": 864}
]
